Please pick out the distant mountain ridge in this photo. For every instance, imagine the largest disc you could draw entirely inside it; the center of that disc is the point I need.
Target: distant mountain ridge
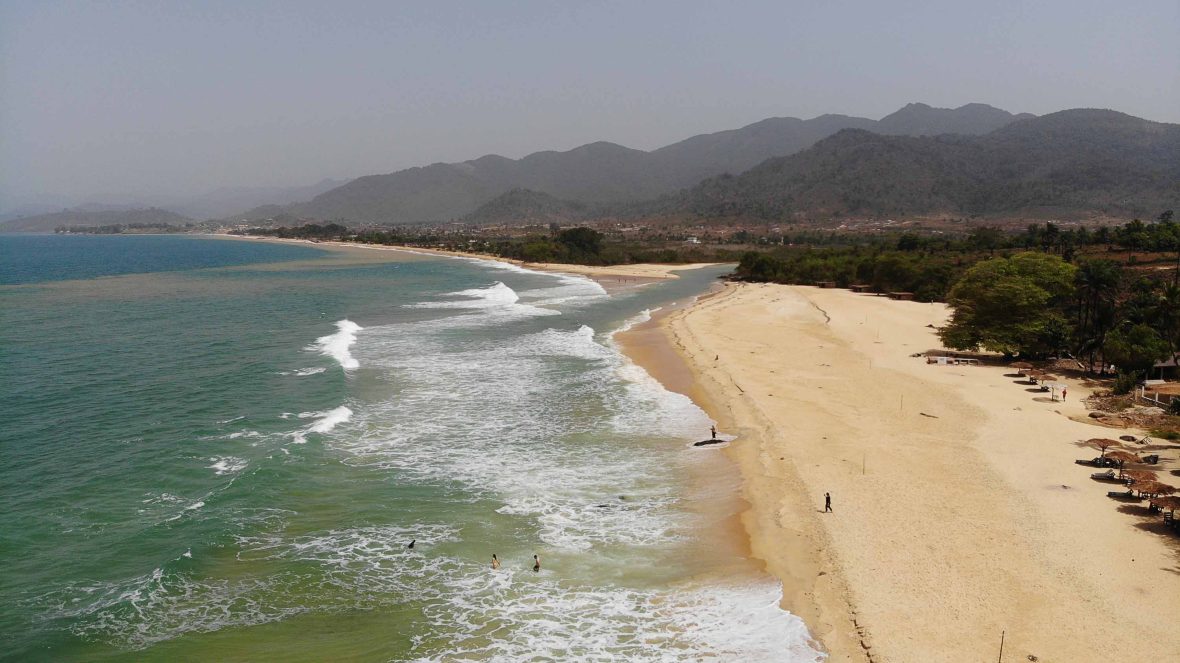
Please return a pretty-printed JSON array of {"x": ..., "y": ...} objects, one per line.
[
  {"x": 605, "y": 172},
  {"x": 1083, "y": 161},
  {"x": 923, "y": 120},
  {"x": 975, "y": 160}
]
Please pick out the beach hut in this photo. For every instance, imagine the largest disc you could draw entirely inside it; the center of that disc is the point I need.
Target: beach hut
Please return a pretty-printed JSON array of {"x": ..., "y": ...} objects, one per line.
[
  {"x": 903, "y": 296},
  {"x": 861, "y": 287},
  {"x": 1165, "y": 368},
  {"x": 826, "y": 284}
]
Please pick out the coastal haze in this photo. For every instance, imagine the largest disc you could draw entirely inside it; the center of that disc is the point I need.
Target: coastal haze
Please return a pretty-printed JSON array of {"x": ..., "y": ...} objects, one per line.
[
  {"x": 590, "y": 331},
  {"x": 139, "y": 107}
]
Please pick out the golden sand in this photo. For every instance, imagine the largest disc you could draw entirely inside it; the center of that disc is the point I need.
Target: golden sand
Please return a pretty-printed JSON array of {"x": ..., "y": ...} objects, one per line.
[{"x": 959, "y": 514}]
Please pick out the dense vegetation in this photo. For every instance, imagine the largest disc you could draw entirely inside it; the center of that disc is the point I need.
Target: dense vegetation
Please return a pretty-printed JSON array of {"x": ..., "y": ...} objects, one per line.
[
  {"x": 579, "y": 245},
  {"x": 124, "y": 228},
  {"x": 328, "y": 231},
  {"x": 1043, "y": 292}
]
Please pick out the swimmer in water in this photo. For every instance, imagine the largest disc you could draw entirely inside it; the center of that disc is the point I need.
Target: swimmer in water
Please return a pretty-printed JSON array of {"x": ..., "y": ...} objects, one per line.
[
  {"x": 495, "y": 562},
  {"x": 536, "y": 564}
]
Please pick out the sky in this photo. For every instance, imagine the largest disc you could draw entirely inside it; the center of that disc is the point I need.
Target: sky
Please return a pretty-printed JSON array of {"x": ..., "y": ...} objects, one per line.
[{"x": 102, "y": 99}]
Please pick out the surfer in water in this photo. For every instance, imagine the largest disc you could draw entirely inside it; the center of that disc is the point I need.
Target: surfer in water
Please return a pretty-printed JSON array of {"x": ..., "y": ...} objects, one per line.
[
  {"x": 536, "y": 564},
  {"x": 495, "y": 562}
]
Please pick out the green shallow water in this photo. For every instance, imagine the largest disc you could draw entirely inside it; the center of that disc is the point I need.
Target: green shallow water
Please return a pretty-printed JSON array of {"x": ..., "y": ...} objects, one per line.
[{"x": 227, "y": 462}]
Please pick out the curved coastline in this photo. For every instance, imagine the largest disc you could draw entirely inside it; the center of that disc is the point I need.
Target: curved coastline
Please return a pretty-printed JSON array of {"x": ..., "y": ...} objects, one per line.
[{"x": 959, "y": 513}]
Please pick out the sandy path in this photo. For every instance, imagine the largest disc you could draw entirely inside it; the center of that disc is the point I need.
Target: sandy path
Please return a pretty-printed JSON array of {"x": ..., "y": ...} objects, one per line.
[{"x": 949, "y": 528}]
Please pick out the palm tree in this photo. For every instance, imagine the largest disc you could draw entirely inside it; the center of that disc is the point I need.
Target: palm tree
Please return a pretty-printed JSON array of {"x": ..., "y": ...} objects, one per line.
[{"x": 1098, "y": 283}]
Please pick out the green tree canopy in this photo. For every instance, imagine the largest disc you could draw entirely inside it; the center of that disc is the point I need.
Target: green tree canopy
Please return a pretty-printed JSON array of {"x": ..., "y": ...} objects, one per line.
[
  {"x": 1135, "y": 348},
  {"x": 1010, "y": 305}
]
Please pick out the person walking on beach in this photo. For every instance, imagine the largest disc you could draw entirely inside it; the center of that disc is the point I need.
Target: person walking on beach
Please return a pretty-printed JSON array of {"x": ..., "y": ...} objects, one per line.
[
  {"x": 713, "y": 430},
  {"x": 1064, "y": 391},
  {"x": 828, "y": 503},
  {"x": 495, "y": 562},
  {"x": 536, "y": 564}
]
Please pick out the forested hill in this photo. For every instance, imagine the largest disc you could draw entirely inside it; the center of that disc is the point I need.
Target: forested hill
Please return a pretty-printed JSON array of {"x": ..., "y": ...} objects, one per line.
[
  {"x": 605, "y": 172},
  {"x": 520, "y": 206},
  {"x": 1082, "y": 161}
]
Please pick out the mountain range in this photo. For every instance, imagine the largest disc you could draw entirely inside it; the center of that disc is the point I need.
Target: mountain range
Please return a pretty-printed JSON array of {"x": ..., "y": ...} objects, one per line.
[
  {"x": 975, "y": 160},
  {"x": 608, "y": 173},
  {"x": 1075, "y": 162}
]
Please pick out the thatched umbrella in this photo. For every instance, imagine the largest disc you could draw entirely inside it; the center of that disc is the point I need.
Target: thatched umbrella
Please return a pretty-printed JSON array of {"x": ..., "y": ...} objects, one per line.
[
  {"x": 1122, "y": 458},
  {"x": 1152, "y": 488},
  {"x": 1104, "y": 443},
  {"x": 1139, "y": 475},
  {"x": 1171, "y": 503},
  {"x": 1022, "y": 366}
]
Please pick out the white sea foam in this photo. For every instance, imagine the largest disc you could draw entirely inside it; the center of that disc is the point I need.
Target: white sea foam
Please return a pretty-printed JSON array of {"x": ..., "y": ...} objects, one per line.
[
  {"x": 324, "y": 422},
  {"x": 304, "y": 372},
  {"x": 227, "y": 465},
  {"x": 637, "y": 319},
  {"x": 548, "y": 615},
  {"x": 509, "y": 419},
  {"x": 337, "y": 345},
  {"x": 493, "y": 304}
]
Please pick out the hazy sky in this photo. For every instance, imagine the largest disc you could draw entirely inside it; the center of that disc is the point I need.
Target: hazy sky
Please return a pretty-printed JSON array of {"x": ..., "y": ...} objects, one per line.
[{"x": 183, "y": 97}]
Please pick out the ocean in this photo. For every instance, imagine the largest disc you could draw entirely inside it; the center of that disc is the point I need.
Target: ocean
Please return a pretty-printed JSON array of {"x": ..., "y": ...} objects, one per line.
[{"x": 222, "y": 450}]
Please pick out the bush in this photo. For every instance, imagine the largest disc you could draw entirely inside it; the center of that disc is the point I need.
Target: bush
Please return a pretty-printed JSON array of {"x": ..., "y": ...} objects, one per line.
[
  {"x": 1125, "y": 383},
  {"x": 1174, "y": 408}
]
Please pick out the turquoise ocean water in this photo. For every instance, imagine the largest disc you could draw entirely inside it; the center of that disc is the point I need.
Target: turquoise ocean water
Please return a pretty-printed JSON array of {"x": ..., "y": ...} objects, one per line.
[{"x": 220, "y": 450}]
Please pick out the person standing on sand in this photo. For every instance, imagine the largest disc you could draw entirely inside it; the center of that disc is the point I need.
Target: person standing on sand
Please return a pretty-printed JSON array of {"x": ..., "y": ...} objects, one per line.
[
  {"x": 713, "y": 430},
  {"x": 495, "y": 562},
  {"x": 828, "y": 503},
  {"x": 536, "y": 564},
  {"x": 1063, "y": 392}
]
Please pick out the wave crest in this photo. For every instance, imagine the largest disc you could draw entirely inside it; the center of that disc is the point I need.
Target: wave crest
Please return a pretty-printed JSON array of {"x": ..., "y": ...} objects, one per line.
[{"x": 337, "y": 345}]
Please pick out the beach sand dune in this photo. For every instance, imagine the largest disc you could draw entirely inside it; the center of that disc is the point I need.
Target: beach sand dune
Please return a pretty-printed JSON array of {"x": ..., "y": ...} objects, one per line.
[{"x": 959, "y": 513}]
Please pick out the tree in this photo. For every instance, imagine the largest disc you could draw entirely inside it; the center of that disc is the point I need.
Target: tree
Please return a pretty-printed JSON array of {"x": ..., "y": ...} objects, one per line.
[
  {"x": 1010, "y": 305},
  {"x": 581, "y": 242},
  {"x": 1135, "y": 348},
  {"x": 985, "y": 238},
  {"x": 1097, "y": 285}
]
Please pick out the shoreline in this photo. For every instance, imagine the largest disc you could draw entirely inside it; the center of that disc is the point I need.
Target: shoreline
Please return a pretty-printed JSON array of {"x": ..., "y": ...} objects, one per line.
[
  {"x": 959, "y": 513},
  {"x": 611, "y": 277},
  {"x": 659, "y": 347}
]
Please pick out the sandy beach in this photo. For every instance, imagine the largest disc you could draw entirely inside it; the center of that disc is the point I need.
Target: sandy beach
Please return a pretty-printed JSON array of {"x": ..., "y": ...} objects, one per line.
[
  {"x": 959, "y": 516},
  {"x": 611, "y": 277}
]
